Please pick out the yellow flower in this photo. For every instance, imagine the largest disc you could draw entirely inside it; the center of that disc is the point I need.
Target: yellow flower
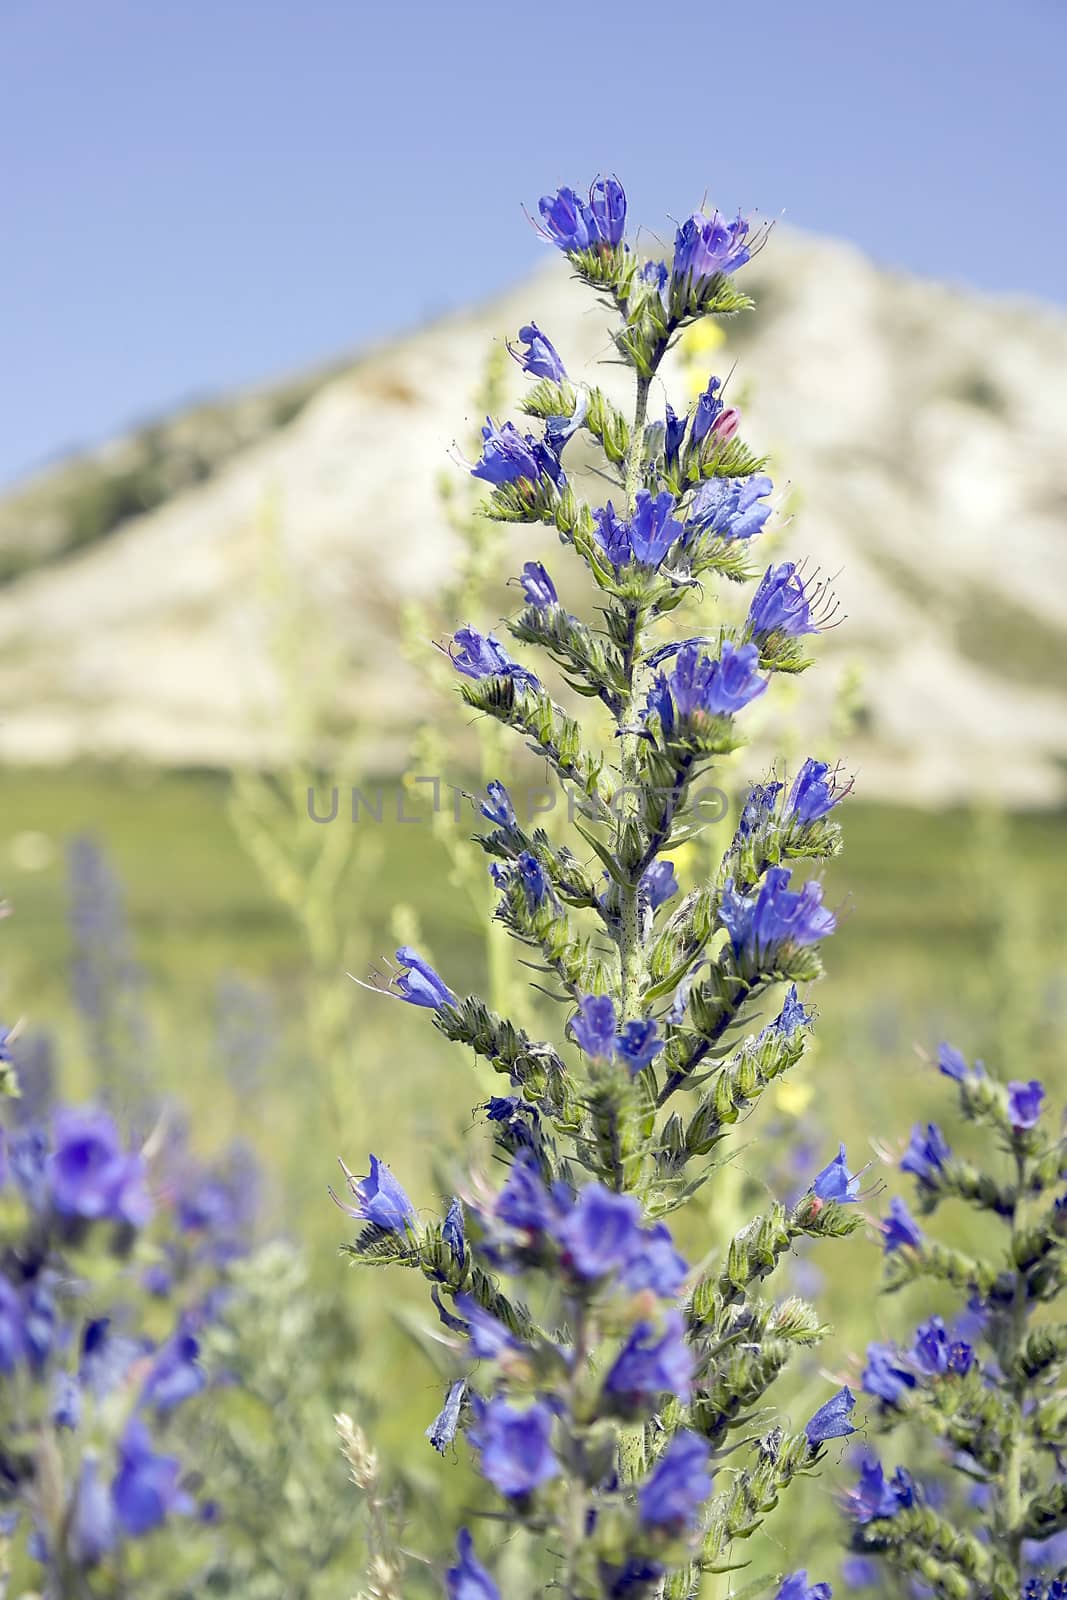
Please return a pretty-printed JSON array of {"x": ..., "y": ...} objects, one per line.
[{"x": 793, "y": 1098}]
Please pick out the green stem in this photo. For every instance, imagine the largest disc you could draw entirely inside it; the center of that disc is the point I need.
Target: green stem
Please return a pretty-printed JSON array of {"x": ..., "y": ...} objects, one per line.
[
  {"x": 631, "y": 949},
  {"x": 1011, "y": 1509}
]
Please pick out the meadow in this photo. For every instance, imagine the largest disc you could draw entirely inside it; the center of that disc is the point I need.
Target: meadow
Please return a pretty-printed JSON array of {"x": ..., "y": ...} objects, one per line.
[{"x": 951, "y": 926}]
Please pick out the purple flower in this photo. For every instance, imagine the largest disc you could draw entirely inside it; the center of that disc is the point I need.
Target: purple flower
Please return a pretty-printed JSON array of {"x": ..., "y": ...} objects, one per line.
[
  {"x": 883, "y": 1376},
  {"x": 637, "y": 1044},
  {"x": 382, "y": 1202},
  {"x": 594, "y": 1026},
  {"x": 951, "y": 1062},
  {"x": 899, "y": 1229},
  {"x": 145, "y": 1489},
  {"x": 781, "y": 605},
  {"x": 176, "y": 1374},
  {"x": 517, "y": 1121},
  {"x": 673, "y": 434},
  {"x": 524, "y": 1202},
  {"x": 27, "y": 1159},
  {"x": 602, "y": 1231},
  {"x": 418, "y": 983},
  {"x": 497, "y": 807},
  {"x": 729, "y": 508},
  {"x": 572, "y": 224},
  {"x": 679, "y": 1484},
  {"x": 775, "y": 917},
  {"x": 653, "y": 1362},
  {"x": 39, "y": 1321},
  {"x": 926, "y": 1154},
  {"x": 936, "y": 1354},
  {"x": 90, "y": 1175},
  {"x": 488, "y": 1336},
  {"x": 834, "y": 1181},
  {"x": 468, "y": 1579},
  {"x": 508, "y": 456},
  {"x": 708, "y": 410},
  {"x": 832, "y": 1420},
  {"x": 659, "y": 882},
  {"x": 540, "y": 358},
  {"x": 797, "y": 1587},
  {"x": 699, "y": 685},
  {"x": 477, "y": 655},
  {"x": 655, "y": 1264},
  {"x": 704, "y": 246},
  {"x": 93, "y": 1529},
  {"x": 874, "y": 1497},
  {"x": 793, "y": 1015},
  {"x": 1024, "y": 1103},
  {"x": 758, "y": 808},
  {"x": 860, "y": 1572},
  {"x": 66, "y": 1401},
  {"x": 645, "y": 538},
  {"x": 515, "y": 1446},
  {"x": 12, "y": 1332},
  {"x": 814, "y": 793},
  {"x": 538, "y": 587},
  {"x": 534, "y": 879},
  {"x": 454, "y": 1232}
]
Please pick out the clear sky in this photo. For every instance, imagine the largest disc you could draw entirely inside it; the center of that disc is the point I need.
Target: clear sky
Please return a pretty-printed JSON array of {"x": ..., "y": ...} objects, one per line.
[{"x": 197, "y": 194}]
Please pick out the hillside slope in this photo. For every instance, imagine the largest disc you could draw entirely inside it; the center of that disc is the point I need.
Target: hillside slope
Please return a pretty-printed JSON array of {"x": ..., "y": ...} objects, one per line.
[{"x": 913, "y": 421}]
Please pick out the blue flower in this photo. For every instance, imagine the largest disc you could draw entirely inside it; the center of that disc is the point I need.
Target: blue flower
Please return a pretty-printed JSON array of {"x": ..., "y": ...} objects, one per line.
[
  {"x": 468, "y": 1579},
  {"x": 679, "y": 1484},
  {"x": 860, "y": 1572},
  {"x": 454, "y": 1232},
  {"x": 517, "y": 1121},
  {"x": 540, "y": 358},
  {"x": 936, "y": 1354},
  {"x": 832, "y": 1420},
  {"x": 708, "y": 410},
  {"x": 814, "y": 793},
  {"x": 514, "y": 1445},
  {"x": 607, "y": 204},
  {"x": 382, "y": 1202},
  {"x": 926, "y": 1154},
  {"x": 601, "y": 1232},
  {"x": 883, "y": 1376},
  {"x": 488, "y": 1336},
  {"x": 534, "y": 879},
  {"x": 418, "y": 983},
  {"x": 653, "y": 1362},
  {"x": 442, "y": 1429},
  {"x": 93, "y": 1529},
  {"x": 834, "y": 1181},
  {"x": 12, "y": 1332},
  {"x": 637, "y": 1043},
  {"x": 524, "y": 1202},
  {"x": 66, "y": 1401},
  {"x": 659, "y": 882},
  {"x": 145, "y": 1490},
  {"x": 673, "y": 434},
  {"x": 594, "y": 1026},
  {"x": 874, "y": 1496},
  {"x": 27, "y": 1159},
  {"x": 90, "y": 1175},
  {"x": 729, "y": 508},
  {"x": 899, "y": 1229},
  {"x": 479, "y": 655},
  {"x": 704, "y": 246},
  {"x": 497, "y": 807},
  {"x": 1024, "y": 1103},
  {"x": 176, "y": 1374},
  {"x": 793, "y": 1015},
  {"x": 655, "y": 1264},
  {"x": 797, "y": 1587},
  {"x": 538, "y": 587},
  {"x": 699, "y": 685},
  {"x": 781, "y": 605},
  {"x": 645, "y": 538},
  {"x": 762, "y": 924},
  {"x": 951, "y": 1063},
  {"x": 39, "y": 1322},
  {"x": 507, "y": 455},
  {"x": 572, "y": 224}
]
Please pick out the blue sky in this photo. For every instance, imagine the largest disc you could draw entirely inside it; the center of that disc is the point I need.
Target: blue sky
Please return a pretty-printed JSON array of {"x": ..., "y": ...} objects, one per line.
[{"x": 198, "y": 195}]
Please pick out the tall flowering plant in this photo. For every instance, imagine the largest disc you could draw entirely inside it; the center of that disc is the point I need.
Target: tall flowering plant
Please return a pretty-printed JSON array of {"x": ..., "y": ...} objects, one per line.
[
  {"x": 612, "y": 1392},
  {"x": 988, "y": 1386}
]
